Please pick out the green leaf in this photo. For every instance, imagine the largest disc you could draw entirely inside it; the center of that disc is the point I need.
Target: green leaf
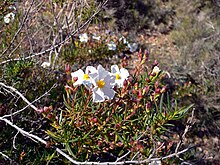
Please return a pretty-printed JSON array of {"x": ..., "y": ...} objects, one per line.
[
  {"x": 61, "y": 116},
  {"x": 180, "y": 113},
  {"x": 69, "y": 150},
  {"x": 84, "y": 137}
]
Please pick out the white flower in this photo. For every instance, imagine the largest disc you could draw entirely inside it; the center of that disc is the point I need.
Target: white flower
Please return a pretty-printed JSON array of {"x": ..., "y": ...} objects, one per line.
[
  {"x": 45, "y": 64},
  {"x": 83, "y": 78},
  {"x": 103, "y": 83},
  {"x": 111, "y": 46},
  {"x": 124, "y": 40},
  {"x": 9, "y": 17},
  {"x": 83, "y": 37},
  {"x": 120, "y": 75},
  {"x": 132, "y": 47},
  {"x": 156, "y": 70},
  {"x": 155, "y": 162},
  {"x": 12, "y": 7},
  {"x": 95, "y": 37}
]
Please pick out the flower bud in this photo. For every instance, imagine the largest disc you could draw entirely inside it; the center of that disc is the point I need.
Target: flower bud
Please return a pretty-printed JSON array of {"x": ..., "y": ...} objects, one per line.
[
  {"x": 67, "y": 87},
  {"x": 117, "y": 126},
  {"x": 119, "y": 144},
  {"x": 41, "y": 110},
  {"x": 133, "y": 91},
  {"x": 105, "y": 149},
  {"x": 148, "y": 106},
  {"x": 48, "y": 144},
  {"x": 46, "y": 109},
  {"x": 112, "y": 146},
  {"x": 157, "y": 91},
  {"x": 153, "y": 74},
  {"x": 156, "y": 84},
  {"x": 155, "y": 63},
  {"x": 67, "y": 69},
  {"x": 146, "y": 89},
  {"x": 50, "y": 107},
  {"x": 79, "y": 123},
  {"x": 136, "y": 86},
  {"x": 145, "y": 52},
  {"x": 99, "y": 143},
  {"x": 125, "y": 83},
  {"x": 140, "y": 94},
  {"x": 95, "y": 120},
  {"x": 163, "y": 89},
  {"x": 124, "y": 64},
  {"x": 147, "y": 80},
  {"x": 139, "y": 54},
  {"x": 49, "y": 116}
]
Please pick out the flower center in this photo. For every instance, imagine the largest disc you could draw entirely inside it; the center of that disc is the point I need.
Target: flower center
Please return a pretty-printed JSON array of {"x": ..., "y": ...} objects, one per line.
[
  {"x": 86, "y": 77},
  {"x": 117, "y": 76},
  {"x": 100, "y": 83}
]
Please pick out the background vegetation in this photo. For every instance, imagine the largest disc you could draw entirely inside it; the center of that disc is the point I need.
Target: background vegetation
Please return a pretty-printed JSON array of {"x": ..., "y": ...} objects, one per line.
[{"x": 183, "y": 36}]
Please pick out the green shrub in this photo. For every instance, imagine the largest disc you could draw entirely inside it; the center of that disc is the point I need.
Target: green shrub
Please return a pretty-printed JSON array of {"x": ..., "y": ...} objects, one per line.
[
  {"x": 197, "y": 37},
  {"x": 137, "y": 119}
]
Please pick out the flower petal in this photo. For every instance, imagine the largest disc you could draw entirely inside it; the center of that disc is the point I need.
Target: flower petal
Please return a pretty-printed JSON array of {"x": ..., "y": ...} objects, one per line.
[
  {"x": 45, "y": 64},
  {"x": 90, "y": 69},
  {"x": 114, "y": 69},
  {"x": 87, "y": 84},
  {"x": 101, "y": 72},
  {"x": 108, "y": 93},
  {"x": 79, "y": 74},
  {"x": 124, "y": 73},
  {"x": 94, "y": 77},
  {"x": 98, "y": 95},
  {"x": 109, "y": 80},
  {"x": 83, "y": 37}
]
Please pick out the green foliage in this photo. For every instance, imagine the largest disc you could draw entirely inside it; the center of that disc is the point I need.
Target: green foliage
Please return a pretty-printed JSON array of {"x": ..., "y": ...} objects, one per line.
[
  {"x": 135, "y": 120},
  {"x": 197, "y": 38},
  {"x": 17, "y": 71}
]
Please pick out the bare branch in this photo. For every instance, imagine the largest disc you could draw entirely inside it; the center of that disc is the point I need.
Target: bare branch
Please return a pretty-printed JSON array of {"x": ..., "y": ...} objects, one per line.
[
  {"x": 53, "y": 47},
  {"x": 17, "y": 92},
  {"x": 5, "y": 156},
  {"x": 24, "y": 99}
]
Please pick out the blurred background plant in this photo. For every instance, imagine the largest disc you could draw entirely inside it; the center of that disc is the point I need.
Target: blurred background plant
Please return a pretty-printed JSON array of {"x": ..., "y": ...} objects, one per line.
[
  {"x": 38, "y": 39},
  {"x": 143, "y": 14},
  {"x": 197, "y": 37}
]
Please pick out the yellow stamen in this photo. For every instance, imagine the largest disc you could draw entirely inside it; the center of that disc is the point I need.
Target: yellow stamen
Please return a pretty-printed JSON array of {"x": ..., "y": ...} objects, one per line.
[
  {"x": 76, "y": 43},
  {"x": 86, "y": 77},
  {"x": 100, "y": 83},
  {"x": 117, "y": 76}
]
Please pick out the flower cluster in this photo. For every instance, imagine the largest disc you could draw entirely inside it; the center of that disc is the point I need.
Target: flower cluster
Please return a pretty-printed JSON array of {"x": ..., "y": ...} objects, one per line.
[
  {"x": 132, "y": 47},
  {"x": 100, "y": 81}
]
